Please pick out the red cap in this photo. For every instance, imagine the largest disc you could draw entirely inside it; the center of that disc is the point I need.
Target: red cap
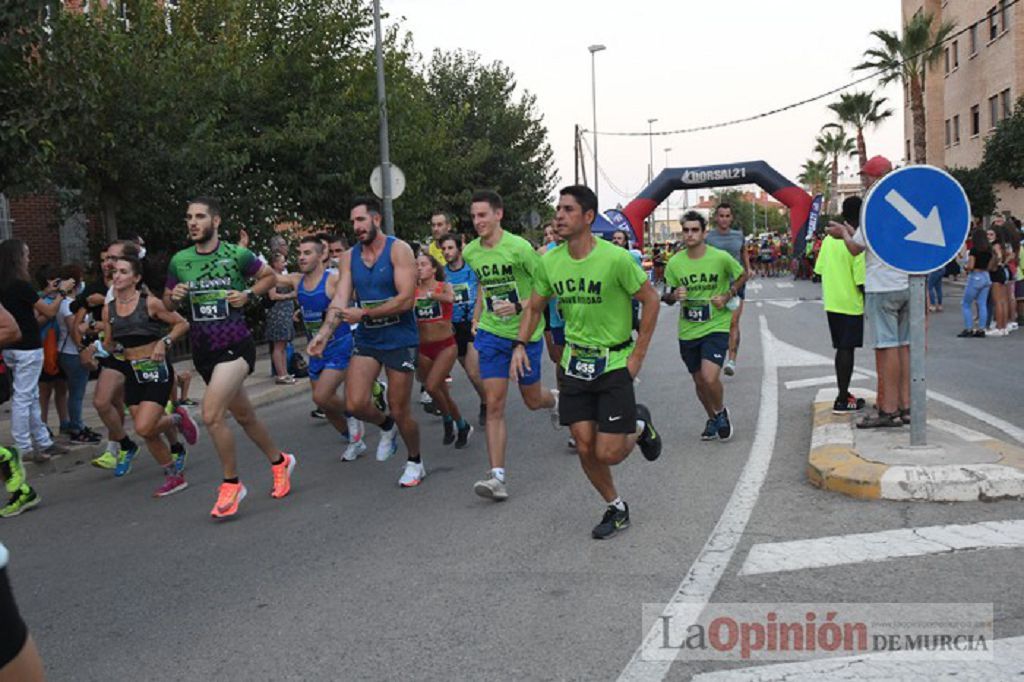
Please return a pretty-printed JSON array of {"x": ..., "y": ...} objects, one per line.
[{"x": 876, "y": 167}]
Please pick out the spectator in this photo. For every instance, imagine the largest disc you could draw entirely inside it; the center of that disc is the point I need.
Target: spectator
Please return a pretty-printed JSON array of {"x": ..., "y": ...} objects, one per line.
[
  {"x": 979, "y": 260},
  {"x": 1009, "y": 237},
  {"x": 25, "y": 358},
  {"x": 280, "y": 326},
  {"x": 52, "y": 382},
  {"x": 70, "y": 342},
  {"x": 935, "y": 289},
  {"x": 998, "y": 272}
]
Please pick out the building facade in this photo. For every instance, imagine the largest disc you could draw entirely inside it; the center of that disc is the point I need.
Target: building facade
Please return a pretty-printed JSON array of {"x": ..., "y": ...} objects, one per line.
[{"x": 973, "y": 86}]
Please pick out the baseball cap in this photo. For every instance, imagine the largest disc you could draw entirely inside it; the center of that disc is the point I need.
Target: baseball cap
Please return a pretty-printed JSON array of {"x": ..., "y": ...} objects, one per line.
[{"x": 876, "y": 167}]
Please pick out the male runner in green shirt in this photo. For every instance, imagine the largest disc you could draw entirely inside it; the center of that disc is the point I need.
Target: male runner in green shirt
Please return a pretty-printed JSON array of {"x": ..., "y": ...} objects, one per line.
[{"x": 595, "y": 282}]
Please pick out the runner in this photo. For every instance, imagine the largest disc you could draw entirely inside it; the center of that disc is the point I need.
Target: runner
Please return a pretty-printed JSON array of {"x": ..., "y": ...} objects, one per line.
[
  {"x": 504, "y": 265},
  {"x": 464, "y": 286},
  {"x": 725, "y": 238},
  {"x": 380, "y": 273},
  {"x": 440, "y": 225},
  {"x": 434, "y": 303},
  {"x": 136, "y": 321},
  {"x": 704, "y": 279},
  {"x": 595, "y": 282},
  {"x": 315, "y": 287},
  {"x": 211, "y": 274}
]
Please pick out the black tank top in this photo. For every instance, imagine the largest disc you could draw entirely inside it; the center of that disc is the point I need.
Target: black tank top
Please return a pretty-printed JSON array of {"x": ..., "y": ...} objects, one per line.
[{"x": 136, "y": 329}]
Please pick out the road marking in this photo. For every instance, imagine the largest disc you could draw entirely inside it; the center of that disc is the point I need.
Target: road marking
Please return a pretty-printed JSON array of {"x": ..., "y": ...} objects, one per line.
[
  {"x": 760, "y": 305},
  {"x": 696, "y": 589},
  {"x": 858, "y": 548},
  {"x": 1007, "y": 662},
  {"x": 784, "y": 285},
  {"x": 819, "y": 381},
  {"x": 961, "y": 432},
  {"x": 785, "y": 303},
  {"x": 754, "y": 286}
]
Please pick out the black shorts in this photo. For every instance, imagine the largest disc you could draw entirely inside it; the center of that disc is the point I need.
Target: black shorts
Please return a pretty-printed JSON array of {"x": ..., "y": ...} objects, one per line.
[
  {"x": 399, "y": 359},
  {"x": 608, "y": 400},
  {"x": 45, "y": 378},
  {"x": 463, "y": 336},
  {"x": 137, "y": 391},
  {"x": 712, "y": 347},
  {"x": 847, "y": 330},
  {"x": 15, "y": 634},
  {"x": 206, "y": 361}
]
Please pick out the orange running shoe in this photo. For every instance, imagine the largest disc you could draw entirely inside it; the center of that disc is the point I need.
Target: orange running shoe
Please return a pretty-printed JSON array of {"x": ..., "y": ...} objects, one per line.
[
  {"x": 228, "y": 497},
  {"x": 282, "y": 475}
]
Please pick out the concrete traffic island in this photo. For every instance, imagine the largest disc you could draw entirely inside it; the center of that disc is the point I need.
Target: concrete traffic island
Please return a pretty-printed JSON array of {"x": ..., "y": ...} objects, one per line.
[{"x": 958, "y": 464}]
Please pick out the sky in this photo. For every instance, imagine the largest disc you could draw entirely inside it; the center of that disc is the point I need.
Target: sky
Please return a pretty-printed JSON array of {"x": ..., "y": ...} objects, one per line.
[{"x": 684, "y": 62}]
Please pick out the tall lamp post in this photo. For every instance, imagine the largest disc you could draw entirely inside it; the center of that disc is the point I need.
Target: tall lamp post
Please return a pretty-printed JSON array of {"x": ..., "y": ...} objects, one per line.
[
  {"x": 594, "y": 49},
  {"x": 650, "y": 170},
  {"x": 668, "y": 216},
  {"x": 382, "y": 103}
]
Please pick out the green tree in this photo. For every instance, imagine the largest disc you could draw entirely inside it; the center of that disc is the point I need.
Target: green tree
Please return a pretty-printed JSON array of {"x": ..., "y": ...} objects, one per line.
[
  {"x": 906, "y": 60},
  {"x": 860, "y": 110},
  {"x": 978, "y": 186},
  {"x": 831, "y": 145},
  {"x": 814, "y": 175},
  {"x": 1004, "y": 149},
  {"x": 750, "y": 217}
]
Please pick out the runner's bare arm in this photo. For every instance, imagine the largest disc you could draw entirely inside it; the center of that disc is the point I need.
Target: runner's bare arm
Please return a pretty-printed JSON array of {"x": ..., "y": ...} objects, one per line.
[
  {"x": 339, "y": 302},
  {"x": 446, "y": 295},
  {"x": 10, "y": 332},
  {"x": 179, "y": 326},
  {"x": 266, "y": 279},
  {"x": 478, "y": 306},
  {"x": 648, "y": 298}
]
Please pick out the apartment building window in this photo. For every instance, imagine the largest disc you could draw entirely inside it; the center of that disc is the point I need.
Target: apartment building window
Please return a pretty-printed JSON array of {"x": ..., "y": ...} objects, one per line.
[
  {"x": 993, "y": 111},
  {"x": 975, "y": 120},
  {"x": 1003, "y": 16},
  {"x": 1004, "y": 101},
  {"x": 973, "y": 33},
  {"x": 956, "y": 55},
  {"x": 949, "y": 133},
  {"x": 993, "y": 24},
  {"x": 956, "y": 129},
  {"x": 945, "y": 55}
]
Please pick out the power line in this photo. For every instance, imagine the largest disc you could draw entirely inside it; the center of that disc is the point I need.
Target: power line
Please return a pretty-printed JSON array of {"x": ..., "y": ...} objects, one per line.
[
  {"x": 779, "y": 110},
  {"x": 604, "y": 175}
]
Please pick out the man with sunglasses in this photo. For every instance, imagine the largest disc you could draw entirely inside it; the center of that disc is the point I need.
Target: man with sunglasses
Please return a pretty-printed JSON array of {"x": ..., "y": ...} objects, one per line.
[{"x": 704, "y": 280}]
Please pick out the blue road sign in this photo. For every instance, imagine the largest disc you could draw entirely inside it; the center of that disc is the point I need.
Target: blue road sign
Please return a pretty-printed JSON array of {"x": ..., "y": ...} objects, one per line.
[{"x": 916, "y": 218}]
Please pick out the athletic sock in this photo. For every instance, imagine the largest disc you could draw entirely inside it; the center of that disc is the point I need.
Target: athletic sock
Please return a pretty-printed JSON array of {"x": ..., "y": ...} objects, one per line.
[
  {"x": 462, "y": 423},
  {"x": 415, "y": 459},
  {"x": 233, "y": 481},
  {"x": 127, "y": 443},
  {"x": 499, "y": 473},
  {"x": 280, "y": 458},
  {"x": 448, "y": 419},
  {"x": 618, "y": 504},
  {"x": 388, "y": 423}
]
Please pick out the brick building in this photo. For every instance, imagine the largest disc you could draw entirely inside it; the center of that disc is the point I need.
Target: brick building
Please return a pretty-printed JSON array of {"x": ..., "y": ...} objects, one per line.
[
  {"x": 35, "y": 219},
  {"x": 974, "y": 85}
]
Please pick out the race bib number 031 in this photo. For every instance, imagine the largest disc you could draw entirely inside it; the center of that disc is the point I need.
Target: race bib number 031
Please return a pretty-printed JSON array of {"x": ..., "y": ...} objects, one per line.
[
  {"x": 697, "y": 313},
  {"x": 209, "y": 306}
]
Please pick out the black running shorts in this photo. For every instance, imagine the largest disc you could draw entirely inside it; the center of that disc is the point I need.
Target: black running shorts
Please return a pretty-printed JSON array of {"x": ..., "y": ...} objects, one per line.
[{"x": 608, "y": 400}]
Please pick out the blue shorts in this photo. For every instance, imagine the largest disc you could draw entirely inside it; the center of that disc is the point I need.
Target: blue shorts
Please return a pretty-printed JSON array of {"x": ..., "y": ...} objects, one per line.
[
  {"x": 336, "y": 356},
  {"x": 496, "y": 357},
  {"x": 712, "y": 347}
]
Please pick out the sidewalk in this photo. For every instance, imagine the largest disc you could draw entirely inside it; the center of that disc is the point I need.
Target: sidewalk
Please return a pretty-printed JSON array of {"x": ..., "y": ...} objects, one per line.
[
  {"x": 260, "y": 385},
  {"x": 959, "y": 464}
]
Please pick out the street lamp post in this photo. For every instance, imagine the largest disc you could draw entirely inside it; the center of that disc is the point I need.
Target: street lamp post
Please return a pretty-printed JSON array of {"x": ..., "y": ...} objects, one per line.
[
  {"x": 382, "y": 103},
  {"x": 668, "y": 216},
  {"x": 594, "y": 49},
  {"x": 650, "y": 169}
]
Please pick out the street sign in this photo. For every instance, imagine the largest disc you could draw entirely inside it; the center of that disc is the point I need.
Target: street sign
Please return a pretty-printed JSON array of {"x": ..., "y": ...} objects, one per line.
[
  {"x": 397, "y": 182},
  {"x": 915, "y": 219}
]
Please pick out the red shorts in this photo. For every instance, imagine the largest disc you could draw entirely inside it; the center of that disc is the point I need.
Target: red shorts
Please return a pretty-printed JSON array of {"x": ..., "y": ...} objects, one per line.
[{"x": 433, "y": 348}]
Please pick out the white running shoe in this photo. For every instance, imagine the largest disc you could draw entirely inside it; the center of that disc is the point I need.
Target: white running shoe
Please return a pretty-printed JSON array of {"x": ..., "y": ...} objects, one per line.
[
  {"x": 412, "y": 476},
  {"x": 425, "y": 398},
  {"x": 491, "y": 488},
  {"x": 356, "y": 430},
  {"x": 554, "y": 410},
  {"x": 730, "y": 367},
  {"x": 354, "y": 451},
  {"x": 388, "y": 444}
]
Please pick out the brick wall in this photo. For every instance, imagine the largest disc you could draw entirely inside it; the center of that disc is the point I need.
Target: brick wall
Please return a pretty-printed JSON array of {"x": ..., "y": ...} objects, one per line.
[{"x": 34, "y": 220}]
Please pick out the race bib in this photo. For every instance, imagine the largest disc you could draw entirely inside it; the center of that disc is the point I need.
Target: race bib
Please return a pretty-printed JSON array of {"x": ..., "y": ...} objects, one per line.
[
  {"x": 312, "y": 321},
  {"x": 209, "y": 306},
  {"x": 586, "y": 363},
  {"x": 505, "y": 291},
  {"x": 428, "y": 310},
  {"x": 461, "y": 293},
  {"x": 150, "y": 371},
  {"x": 697, "y": 313},
  {"x": 377, "y": 322}
]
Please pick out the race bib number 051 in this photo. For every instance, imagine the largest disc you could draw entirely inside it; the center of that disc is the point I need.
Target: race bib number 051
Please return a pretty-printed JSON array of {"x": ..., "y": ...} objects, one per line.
[{"x": 209, "y": 306}]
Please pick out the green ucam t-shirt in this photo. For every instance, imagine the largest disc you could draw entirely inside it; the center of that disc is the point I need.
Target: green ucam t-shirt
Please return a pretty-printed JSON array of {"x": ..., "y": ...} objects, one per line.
[
  {"x": 841, "y": 273},
  {"x": 704, "y": 277},
  {"x": 595, "y": 296},
  {"x": 505, "y": 272}
]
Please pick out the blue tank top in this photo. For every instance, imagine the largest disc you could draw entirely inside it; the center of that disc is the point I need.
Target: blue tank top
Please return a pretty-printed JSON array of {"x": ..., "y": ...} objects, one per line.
[
  {"x": 314, "y": 306},
  {"x": 464, "y": 284},
  {"x": 375, "y": 286}
]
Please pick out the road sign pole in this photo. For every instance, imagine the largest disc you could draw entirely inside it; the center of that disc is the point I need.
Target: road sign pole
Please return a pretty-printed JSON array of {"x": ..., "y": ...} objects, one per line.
[{"x": 918, "y": 384}]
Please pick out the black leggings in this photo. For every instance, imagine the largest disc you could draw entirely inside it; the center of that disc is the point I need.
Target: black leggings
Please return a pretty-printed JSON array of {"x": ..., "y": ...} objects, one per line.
[{"x": 13, "y": 632}]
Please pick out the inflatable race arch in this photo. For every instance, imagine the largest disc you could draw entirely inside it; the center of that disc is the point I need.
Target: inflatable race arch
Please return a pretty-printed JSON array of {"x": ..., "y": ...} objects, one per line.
[{"x": 632, "y": 216}]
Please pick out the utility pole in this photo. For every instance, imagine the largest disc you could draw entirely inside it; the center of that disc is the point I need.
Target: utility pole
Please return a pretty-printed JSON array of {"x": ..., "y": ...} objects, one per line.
[{"x": 382, "y": 105}]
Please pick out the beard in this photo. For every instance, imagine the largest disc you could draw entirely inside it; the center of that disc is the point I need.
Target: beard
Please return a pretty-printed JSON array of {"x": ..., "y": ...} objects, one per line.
[
  {"x": 370, "y": 235},
  {"x": 205, "y": 236}
]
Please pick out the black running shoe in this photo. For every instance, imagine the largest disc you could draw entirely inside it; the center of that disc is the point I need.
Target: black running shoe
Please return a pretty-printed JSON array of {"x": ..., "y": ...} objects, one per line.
[
  {"x": 723, "y": 425},
  {"x": 318, "y": 414},
  {"x": 449, "y": 432},
  {"x": 464, "y": 434},
  {"x": 710, "y": 430},
  {"x": 611, "y": 523},
  {"x": 649, "y": 441}
]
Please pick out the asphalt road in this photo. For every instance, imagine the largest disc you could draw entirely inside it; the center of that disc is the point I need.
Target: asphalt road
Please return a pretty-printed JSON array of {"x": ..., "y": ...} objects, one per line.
[{"x": 351, "y": 577}]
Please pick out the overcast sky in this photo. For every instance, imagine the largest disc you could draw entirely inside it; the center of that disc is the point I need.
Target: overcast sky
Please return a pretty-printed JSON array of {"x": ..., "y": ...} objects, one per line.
[{"x": 686, "y": 63}]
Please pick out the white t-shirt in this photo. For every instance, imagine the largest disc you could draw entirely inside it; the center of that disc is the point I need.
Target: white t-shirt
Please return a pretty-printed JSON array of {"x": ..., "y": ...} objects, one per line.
[
  {"x": 878, "y": 276},
  {"x": 64, "y": 315}
]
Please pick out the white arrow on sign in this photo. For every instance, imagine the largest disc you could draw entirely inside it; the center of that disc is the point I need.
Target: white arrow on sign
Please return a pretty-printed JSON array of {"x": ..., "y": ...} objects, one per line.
[{"x": 926, "y": 230}]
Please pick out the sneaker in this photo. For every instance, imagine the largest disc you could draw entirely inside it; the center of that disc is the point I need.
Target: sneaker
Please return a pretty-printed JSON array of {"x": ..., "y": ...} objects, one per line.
[
  {"x": 187, "y": 425},
  {"x": 229, "y": 495},
  {"x": 482, "y": 419},
  {"x": 180, "y": 459},
  {"x": 287, "y": 380},
  {"x": 880, "y": 420},
  {"x": 379, "y": 394},
  {"x": 21, "y": 501},
  {"x": 965, "y": 334},
  {"x": 465, "y": 431},
  {"x": 572, "y": 443},
  {"x": 710, "y": 430},
  {"x": 124, "y": 461},
  {"x": 555, "y": 422},
  {"x": 54, "y": 450},
  {"x": 388, "y": 444},
  {"x": 106, "y": 460},
  {"x": 188, "y": 402},
  {"x": 282, "y": 475},
  {"x": 318, "y": 414},
  {"x": 978, "y": 333},
  {"x": 851, "y": 404},
  {"x": 449, "y": 432},
  {"x": 612, "y": 522},
  {"x": 356, "y": 430},
  {"x": 173, "y": 483},
  {"x": 425, "y": 398},
  {"x": 491, "y": 488},
  {"x": 413, "y": 475},
  {"x": 723, "y": 425},
  {"x": 354, "y": 451},
  {"x": 649, "y": 441},
  {"x": 85, "y": 435},
  {"x": 729, "y": 367}
]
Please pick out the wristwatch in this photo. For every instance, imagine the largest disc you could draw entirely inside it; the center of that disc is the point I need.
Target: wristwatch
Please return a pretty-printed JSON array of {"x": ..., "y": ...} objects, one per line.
[
  {"x": 519, "y": 307},
  {"x": 168, "y": 341}
]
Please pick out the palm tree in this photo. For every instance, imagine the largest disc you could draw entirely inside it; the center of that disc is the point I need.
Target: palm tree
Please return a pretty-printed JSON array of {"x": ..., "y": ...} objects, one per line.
[
  {"x": 907, "y": 60},
  {"x": 830, "y": 146},
  {"x": 814, "y": 175},
  {"x": 859, "y": 110}
]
